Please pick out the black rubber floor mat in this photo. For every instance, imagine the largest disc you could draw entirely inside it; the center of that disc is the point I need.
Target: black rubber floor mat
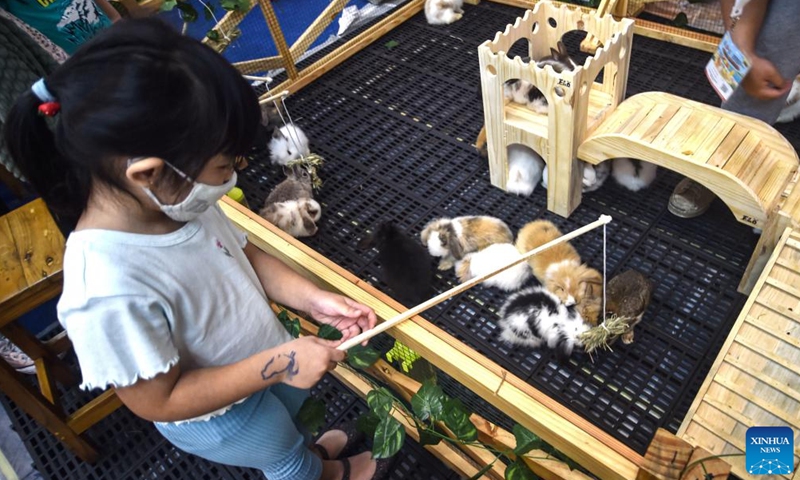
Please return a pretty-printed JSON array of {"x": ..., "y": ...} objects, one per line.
[
  {"x": 132, "y": 449},
  {"x": 395, "y": 124}
]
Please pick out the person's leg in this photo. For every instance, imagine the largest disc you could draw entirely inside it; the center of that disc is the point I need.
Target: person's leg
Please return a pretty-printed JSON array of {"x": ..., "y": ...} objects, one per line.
[
  {"x": 258, "y": 433},
  {"x": 777, "y": 42}
]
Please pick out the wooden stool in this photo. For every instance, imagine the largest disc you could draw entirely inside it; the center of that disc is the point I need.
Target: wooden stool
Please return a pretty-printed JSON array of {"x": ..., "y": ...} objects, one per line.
[{"x": 31, "y": 260}]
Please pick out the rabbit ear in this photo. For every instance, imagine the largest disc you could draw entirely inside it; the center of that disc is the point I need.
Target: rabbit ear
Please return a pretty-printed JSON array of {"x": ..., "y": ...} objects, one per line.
[
  {"x": 562, "y": 49},
  {"x": 453, "y": 243},
  {"x": 277, "y": 134}
]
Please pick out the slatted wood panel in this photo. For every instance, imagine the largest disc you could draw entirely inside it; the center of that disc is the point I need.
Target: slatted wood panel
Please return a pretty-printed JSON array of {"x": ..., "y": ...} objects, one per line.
[
  {"x": 755, "y": 380},
  {"x": 745, "y": 162},
  {"x": 576, "y": 105}
]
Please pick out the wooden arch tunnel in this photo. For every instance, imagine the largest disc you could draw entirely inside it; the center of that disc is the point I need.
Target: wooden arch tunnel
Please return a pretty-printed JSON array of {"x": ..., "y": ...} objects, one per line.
[{"x": 745, "y": 162}]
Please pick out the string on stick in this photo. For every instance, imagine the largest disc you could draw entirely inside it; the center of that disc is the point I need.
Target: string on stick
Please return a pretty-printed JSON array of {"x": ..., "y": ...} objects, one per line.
[{"x": 382, "y": 327}]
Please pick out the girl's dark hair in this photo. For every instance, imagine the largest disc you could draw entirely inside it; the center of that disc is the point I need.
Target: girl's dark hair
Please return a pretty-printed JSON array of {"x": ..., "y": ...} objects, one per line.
[{"x": 137, "y": 89}]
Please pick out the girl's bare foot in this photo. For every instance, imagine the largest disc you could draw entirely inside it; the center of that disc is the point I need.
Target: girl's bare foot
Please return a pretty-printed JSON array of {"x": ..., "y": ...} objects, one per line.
[{"x": 362, "y": 467}]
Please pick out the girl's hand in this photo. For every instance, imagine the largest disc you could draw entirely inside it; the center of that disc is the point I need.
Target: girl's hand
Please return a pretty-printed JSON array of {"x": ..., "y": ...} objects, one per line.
[
  {"x": 350, "y": 317},
  {"x": 301, "y": 363}
]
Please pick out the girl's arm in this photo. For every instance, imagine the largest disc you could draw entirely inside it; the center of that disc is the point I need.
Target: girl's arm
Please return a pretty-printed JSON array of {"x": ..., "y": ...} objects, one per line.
[
  {"x": 178, "y": 395},
  {"x": 287, "y": 287}
]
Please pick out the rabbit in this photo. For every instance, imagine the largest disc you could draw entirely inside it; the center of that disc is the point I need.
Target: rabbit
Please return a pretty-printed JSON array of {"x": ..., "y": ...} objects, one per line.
[
  {"x": 296, "y": 186},
  {"x": 453, "y": 238},
  {"x": 480, "y": 263},
  {"x": 524, "y": 170},
  {"x": 534, "y": 316},
  {"x": 296, "y": 217},
  {"x": 443, "y": 12},
  {"x": 633, "y": 174},
  {"x": 792, "y": 108},
  {"x": 560, "y": 270},
  {"x": 628, "y": 295},
  {"x": 594, "y": 176},
  {"x": 525, "y": 93},
  {"x": 288, "y": 143},
  {"x": 405, "y": 264}
]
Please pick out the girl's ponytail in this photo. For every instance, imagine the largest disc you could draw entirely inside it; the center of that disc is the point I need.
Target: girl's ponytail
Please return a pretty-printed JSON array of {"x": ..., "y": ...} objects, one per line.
[{"x": 31, "y": 143}]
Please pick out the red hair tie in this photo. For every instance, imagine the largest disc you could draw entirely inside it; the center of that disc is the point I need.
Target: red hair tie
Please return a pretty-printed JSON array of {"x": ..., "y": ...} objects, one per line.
[{"x": 49, "y": 109}]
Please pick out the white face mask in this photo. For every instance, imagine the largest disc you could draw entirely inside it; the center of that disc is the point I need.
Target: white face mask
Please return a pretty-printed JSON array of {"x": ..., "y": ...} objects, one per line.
[{"x": 200, "y": 198}]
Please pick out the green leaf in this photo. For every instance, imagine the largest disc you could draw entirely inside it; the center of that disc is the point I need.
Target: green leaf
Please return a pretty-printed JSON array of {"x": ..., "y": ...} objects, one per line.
[
  {"x": 362, "y": 357},
  {"x": 428, "y": 402},
  {"x": 213, "y": 35},
  {"x": 208, "y": 11},
  {"x": 237, "y": 5},
  {"x": 368, "y": 423},
  {"x": 681, "y": 20},
  {"x": 168, "y": 5},
  {"x": 426, "y": 437},
  {"x": 483, "y": 470},
  {"x": 526, "y": 440},
  {"x": 456, "y": 417},
  {"x": 312, "y": 414},
  {"x": 519, "y": 471},
  {"x": 328, "y": 332},
  {"x": 292, "y": 325},
  {"x": 380, "y": 401},
  {"x": 389, "y": 438},
  {"x": 391, "y": 44},
  {"x": 188, "y": 12}
]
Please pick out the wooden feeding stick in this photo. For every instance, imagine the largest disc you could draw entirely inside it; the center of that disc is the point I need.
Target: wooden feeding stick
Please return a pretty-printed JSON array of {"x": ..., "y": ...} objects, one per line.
[
  {"x": 590, "y": 44},
  {"x": 272, "y": 98},
  {"x": 364, "y": 336}
]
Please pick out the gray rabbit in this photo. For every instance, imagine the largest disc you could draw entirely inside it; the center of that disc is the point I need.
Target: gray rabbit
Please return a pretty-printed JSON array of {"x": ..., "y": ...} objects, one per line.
[{"x": 291, "y": 205}]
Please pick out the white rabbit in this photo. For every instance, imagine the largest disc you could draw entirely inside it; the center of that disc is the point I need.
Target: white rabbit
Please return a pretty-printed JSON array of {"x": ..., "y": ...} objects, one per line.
[
  {"x": 443, "y": 12},
  {"x": 524, "y": 169},
  {"x": 633, "y": 174},
  {"x": 288, "y": 143},
  {"x": 594, "y": 176},
  {"x": 491, "y": 258}
]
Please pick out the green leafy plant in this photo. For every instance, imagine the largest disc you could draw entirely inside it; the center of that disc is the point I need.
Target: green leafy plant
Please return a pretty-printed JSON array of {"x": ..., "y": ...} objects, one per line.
[
  {"x": 292, "y": 325},
  {"x": 361, "y": 357},
  {"x": 312, "y": 414},
  {"x": 235, "y": 5},
  {"x": 329, "y": 332}
]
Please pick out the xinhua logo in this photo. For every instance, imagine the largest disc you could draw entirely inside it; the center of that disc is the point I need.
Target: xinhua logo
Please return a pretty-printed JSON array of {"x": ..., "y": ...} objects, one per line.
[{"x": 770, "y": 451}]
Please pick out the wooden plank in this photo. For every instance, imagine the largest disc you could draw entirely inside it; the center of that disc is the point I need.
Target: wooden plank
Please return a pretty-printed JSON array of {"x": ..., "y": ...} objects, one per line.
[
  {"x": 40, "y": 244},
  {"x": 666, "y": 457},
  {"x": 747, "y": 367},
  {"x": 12, "y": 276},
  {"x": 317, "y": 27},
  {"x": 563, "y": 429},
  {"x": 353, "y": 46},
  {"x": 728, "y": 146},
  {"x": 750, "y": 149},
  {"x": 665, "y": 115},
  {"x": 91, "y": 413},
  {"x": 703, "y": 125},
  {"x": 686, "y": 38},
  {"x": 259, "y": 65},
  {"x": 789, "y": 418},
  {"x": 277, "y": 37},
  {"x": 712, "y": 142},
  {"x": 680, "y": 126},
  {"x": 729, "y": 341},
  {"x": 785, "y": 287},
  {"x": 705, "y": 467}
]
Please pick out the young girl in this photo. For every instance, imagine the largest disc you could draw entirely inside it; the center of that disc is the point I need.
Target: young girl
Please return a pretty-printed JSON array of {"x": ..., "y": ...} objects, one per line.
[{"x": 132, "y": 141}]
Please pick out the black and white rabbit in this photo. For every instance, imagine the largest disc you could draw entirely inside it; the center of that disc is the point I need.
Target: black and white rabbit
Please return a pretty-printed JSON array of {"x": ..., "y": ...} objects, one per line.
[
  {"x": 534, "y": 317},
  {"x": 288, "y": 143},
  {"x": 443, "y": 12},
  {"x": 405, "y": 263},
  {"x": 633, "y": 174},
  {"x": 594, "y": 176},
  {"x": 524, "y": 170},
  {"x": 524, "y": 93}
]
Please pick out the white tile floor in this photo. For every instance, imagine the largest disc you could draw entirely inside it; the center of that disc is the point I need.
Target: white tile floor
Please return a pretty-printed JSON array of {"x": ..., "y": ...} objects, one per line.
[{"x": 15, "y": 452}]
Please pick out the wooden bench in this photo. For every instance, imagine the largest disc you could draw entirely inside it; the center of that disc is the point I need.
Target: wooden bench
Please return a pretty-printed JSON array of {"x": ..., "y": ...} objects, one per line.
[{"x": 31, "y": 260}]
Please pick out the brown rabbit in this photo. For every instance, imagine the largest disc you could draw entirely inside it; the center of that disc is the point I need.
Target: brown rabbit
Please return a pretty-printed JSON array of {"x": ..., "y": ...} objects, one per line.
[
  {"x": 628, "y": 295},
  {"x": 560, "y": 270}
]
